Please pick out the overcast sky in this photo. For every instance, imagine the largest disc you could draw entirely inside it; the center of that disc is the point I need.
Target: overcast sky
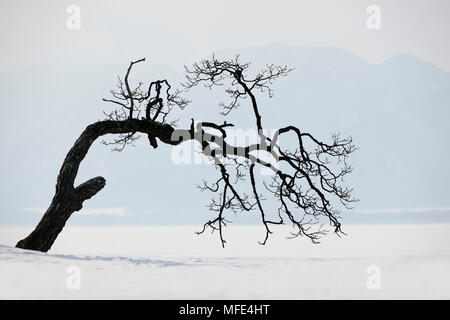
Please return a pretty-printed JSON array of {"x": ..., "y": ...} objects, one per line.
[
  {"x": 417, "y": 27},
  {"x": 57, "y": 75}
]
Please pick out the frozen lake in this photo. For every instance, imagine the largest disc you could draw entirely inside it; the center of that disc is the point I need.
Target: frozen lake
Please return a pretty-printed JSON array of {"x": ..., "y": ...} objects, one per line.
[{"x": 372, "y": 262}]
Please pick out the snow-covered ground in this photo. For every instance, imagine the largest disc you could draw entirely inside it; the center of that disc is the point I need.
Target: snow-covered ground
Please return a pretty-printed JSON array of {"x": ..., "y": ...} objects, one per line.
[{"x": 372, "y": 262}]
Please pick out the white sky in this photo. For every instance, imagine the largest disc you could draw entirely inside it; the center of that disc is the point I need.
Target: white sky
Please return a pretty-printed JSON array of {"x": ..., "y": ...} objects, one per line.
[
  {"x": 35, "y": 31},
  {"x": 177, "y": 32}
]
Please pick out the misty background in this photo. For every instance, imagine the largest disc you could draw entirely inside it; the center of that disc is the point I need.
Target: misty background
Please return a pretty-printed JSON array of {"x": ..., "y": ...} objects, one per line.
[{"x": 387, "y": 88}]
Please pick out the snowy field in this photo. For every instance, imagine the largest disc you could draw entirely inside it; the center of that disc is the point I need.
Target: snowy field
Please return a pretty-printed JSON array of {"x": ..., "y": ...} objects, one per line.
[{"x": 372, "y": 262}]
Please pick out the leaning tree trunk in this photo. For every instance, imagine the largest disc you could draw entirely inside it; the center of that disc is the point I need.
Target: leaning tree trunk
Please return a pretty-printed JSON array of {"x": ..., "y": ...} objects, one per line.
[{"x": 67, "y": 198}]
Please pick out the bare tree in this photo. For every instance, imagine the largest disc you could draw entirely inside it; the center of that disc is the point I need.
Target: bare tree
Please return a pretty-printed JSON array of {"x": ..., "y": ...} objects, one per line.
[{"x": 302, "y": 182}]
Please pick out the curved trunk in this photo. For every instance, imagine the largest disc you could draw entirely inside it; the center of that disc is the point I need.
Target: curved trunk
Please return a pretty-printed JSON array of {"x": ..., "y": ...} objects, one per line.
[{"x": 67, "y": 198}]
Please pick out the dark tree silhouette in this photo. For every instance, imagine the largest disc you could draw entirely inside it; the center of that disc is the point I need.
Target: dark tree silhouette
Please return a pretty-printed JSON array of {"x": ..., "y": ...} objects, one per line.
[{"x": 302, "y": 183}]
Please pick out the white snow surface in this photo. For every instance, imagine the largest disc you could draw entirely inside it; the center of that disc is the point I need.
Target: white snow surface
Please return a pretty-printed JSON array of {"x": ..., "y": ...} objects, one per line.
[{"x": 174, "y": 263}]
